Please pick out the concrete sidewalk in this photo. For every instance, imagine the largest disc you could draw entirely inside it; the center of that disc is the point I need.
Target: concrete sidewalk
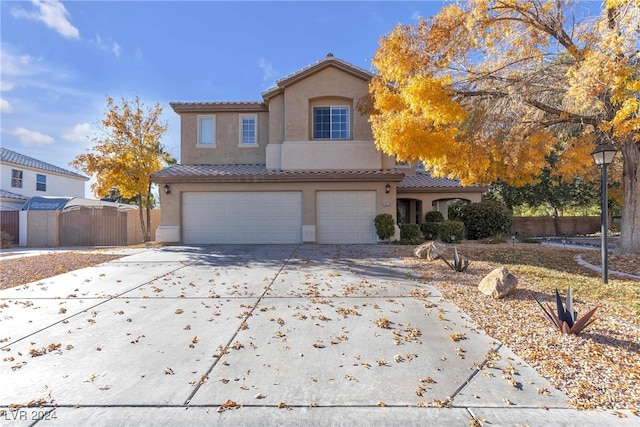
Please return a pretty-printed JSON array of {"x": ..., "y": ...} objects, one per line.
[{"x": 259, "y": 335}]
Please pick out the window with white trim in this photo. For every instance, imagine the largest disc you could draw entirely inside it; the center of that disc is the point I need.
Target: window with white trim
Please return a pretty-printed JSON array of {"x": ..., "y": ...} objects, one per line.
[
  {"x": 207, "y": 131},
  {"x": 331, "y": 122},
  {"x": 41, "y": 182},
  {"x": 248, "y": 130},
  {"x": 16, "y": 178}
]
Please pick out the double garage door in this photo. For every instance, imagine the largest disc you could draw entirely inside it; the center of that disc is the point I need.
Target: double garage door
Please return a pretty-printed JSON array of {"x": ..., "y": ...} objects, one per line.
[{"x": 276, "y": 217}]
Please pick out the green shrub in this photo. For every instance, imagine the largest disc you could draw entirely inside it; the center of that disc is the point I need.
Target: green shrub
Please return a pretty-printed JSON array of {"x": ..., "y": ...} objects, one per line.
[
  {"x": 430, "y": 230},
  {"x": 486, "y": 219},
  {"x": 433, "y": 216},
  {"x": 5, "y": 240},
  {"x": 451, "y": 231},
  {"x": 385, "y": 226},
  {"x": 455, "y": 209},
  {"x": 409, "y": 232}
]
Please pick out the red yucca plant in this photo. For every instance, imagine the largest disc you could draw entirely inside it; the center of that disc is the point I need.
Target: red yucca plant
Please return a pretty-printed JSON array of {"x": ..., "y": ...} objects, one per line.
[{"x": 567, "y": 318}]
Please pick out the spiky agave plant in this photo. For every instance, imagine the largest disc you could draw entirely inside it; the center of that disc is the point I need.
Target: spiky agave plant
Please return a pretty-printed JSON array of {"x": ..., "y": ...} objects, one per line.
[
  {"x": 459, "y": 264},
  {"x": 566, "y": 318}
]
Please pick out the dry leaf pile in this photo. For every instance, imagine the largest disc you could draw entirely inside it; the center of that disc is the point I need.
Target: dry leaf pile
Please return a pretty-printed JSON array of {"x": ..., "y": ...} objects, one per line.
[
  {"x": 598, "y": 369},
  {"x": 23, "y": 270}
]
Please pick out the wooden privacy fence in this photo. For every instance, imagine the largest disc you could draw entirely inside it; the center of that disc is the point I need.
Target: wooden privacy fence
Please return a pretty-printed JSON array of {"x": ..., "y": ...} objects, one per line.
[
  {"x": 10, "y": 224},
  {"x": 92, "y": 226},
  {"x": 543, "y": 226}
]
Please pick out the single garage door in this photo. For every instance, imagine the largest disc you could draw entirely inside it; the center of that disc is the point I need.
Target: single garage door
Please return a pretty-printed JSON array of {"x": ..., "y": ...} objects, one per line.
[
  {"x": 346, "y": 216},
  {"x": 248, "y": 217}
]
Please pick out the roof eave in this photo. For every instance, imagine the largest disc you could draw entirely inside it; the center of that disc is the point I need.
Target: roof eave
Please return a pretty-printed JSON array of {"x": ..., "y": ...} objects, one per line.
[
  {"x": 471, "y": 189},
  {"x": 218, "y": 107},
  {"x": 254, "y": 178}
]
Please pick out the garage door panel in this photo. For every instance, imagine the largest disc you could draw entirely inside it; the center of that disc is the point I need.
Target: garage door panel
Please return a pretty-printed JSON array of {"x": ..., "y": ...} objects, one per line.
[
  {"x": 346, "y": 216},
  {"x": 248, "y": 217}
]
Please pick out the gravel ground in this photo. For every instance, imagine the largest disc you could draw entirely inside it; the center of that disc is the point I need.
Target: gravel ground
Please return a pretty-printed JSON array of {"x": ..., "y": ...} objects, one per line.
[{"x": 598, "y": 369}]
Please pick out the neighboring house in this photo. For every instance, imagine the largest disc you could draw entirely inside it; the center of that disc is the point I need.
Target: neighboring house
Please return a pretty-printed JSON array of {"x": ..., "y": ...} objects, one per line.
[
  {"x": 23, "y": 177},
  {"x": 299, "y": 166}
]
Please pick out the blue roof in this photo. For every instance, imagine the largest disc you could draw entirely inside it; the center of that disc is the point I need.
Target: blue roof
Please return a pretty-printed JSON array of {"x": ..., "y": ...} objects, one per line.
[{"x": 9, "y": 156}]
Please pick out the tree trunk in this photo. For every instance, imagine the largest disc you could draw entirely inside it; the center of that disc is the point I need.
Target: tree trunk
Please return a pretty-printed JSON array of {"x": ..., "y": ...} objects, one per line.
[
  {"x": 630, "y": 223},
  {"x": 147, "y": 236},
  {"x": 141, "y": 216},
  {"x": 556, "y": 223}
]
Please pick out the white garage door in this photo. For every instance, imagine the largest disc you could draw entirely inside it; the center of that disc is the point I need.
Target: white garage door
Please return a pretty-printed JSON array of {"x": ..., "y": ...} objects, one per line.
[
  {"x": 251, "y": 217},
  {"x": 346, "y": 216}
]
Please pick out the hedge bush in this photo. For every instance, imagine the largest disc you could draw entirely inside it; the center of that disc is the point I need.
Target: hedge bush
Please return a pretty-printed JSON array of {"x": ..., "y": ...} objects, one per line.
[
  {"x": 434, "y": 216},
  {"x": 430, "y": 230},
  {"x": 452, "y": 231},
  {"x": 385, "y": 226},
  {"x": 486, "y": 219},
  {"x": 409, "y": 232},
  {"x": 455, "y": 209}
]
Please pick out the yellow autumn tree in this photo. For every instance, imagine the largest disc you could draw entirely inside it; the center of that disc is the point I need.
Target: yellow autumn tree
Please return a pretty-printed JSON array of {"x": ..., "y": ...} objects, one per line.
[
  {"x": 127, "y": 153},
  {"x": 486, "y": 89}
]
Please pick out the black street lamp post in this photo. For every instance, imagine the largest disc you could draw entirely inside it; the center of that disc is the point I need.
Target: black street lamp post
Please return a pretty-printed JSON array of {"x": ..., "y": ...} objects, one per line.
[{"x": 603, "y": 156}]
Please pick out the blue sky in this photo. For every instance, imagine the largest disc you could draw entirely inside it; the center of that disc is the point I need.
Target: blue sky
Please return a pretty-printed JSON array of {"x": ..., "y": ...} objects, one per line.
[{"x": 60, "y": 60}]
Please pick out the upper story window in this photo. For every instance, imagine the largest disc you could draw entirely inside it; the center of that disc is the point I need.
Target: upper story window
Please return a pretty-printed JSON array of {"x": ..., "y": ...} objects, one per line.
[
  {"x": 41, "y": 182},
  {"x": 331, "y": 122},
  {"x": 207, "y": 131},
  {"x": 16, "y": 178},
  {"x": 248, "y": 130}
]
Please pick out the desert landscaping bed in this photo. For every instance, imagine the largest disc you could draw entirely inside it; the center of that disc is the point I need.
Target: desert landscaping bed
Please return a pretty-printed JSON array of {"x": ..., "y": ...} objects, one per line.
[{"x": 597, "y": 369}]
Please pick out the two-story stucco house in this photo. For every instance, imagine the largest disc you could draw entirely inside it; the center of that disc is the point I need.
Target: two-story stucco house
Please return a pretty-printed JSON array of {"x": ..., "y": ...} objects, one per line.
[
  {"x": 299, "y": 166},
  {"x": 23, "y": 177}
]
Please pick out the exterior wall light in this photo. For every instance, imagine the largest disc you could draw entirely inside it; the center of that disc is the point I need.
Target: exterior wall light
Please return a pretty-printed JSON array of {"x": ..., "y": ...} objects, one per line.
[
  {"x": 603, "y": 156},
  {"x": 167, "y": 189},
  {"x": 387, "y": 188}
]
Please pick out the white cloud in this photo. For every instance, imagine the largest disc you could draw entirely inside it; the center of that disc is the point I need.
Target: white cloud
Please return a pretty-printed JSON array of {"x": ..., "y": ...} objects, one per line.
[
  {"x": 269, "y": 74},
  {"x": 5, "y": 106},
  {"x": 53, "y": 14},
  {"x": 80, "y": 133},
  {"x": 18, "y": 65},
  {"x": 108, "y": 45},
  {"x": 5, "y": 86},
  {"x": 30, "y": 138}
]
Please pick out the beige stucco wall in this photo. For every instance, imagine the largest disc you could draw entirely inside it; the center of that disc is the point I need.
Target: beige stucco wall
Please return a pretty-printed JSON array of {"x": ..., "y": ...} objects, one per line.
[
  {"x": 227, "y": 131},
  {"x": 329, "y": 86},
  {"x": 172, "y": 203},
  {"x": 134, "y": 232},
  {"x": 41, "y": 229}
]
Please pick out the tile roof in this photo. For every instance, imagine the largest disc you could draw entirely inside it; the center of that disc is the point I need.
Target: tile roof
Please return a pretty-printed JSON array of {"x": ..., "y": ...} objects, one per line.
[
  {"x": 329, "y": 60},
  {"x": 423, "y": 180},
  {"x": 9, "y": 195},
  {"x": 259, "y": 173},
  {"x": 9, "y": 156},
  {"x": 242, "y": 106}
]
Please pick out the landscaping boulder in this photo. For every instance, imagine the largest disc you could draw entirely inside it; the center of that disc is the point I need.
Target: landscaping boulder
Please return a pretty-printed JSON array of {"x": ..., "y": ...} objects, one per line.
[
  {"x": 429, "y": 251},
  {"x": 499, "y": 283}
]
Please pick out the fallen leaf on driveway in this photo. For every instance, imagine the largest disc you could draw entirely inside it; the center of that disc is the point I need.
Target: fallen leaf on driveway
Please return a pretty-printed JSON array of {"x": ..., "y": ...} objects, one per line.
[{"x": 229, "y": 404}]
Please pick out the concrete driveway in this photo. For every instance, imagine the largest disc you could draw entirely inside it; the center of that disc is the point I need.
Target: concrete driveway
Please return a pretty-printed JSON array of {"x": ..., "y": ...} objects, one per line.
[{"x": 259, "y": 335}]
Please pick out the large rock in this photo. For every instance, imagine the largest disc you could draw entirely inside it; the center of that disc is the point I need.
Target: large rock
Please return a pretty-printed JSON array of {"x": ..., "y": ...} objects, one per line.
[
  {"x": 499, "y": 283},
  {"x": 429, "y": 251}
]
